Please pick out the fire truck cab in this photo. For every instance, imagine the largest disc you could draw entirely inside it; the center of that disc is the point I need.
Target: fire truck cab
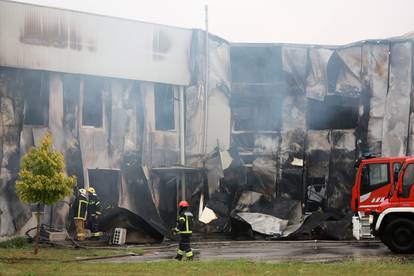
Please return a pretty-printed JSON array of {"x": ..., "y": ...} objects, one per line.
[{"x": 383, "y": 201}]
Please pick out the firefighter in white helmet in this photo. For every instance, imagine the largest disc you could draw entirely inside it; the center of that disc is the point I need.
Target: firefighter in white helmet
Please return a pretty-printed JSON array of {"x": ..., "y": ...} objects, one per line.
[{"x": 80, "y": 207}]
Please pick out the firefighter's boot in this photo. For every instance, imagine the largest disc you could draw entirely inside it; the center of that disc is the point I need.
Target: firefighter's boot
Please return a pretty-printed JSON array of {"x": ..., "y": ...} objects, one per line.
[
  {"x": 189, "y": 255},
  {"x": 179, "y": 255}
]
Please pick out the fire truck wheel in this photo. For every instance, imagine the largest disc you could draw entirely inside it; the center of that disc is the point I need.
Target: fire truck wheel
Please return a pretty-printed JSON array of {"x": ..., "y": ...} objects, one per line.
[{"x": 399, "y": 235}]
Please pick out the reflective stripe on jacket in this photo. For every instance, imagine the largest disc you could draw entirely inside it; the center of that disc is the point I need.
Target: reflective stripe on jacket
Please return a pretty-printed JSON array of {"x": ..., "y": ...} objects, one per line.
[
  {"x": 80, "y": 207},
  {"x": 94, "y": 205},
  {"x": 184, "y": 223}
]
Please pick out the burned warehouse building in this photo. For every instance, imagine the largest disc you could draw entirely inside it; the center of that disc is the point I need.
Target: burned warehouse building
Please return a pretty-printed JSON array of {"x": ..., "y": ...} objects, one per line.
[{"x": 255, "y": 136}]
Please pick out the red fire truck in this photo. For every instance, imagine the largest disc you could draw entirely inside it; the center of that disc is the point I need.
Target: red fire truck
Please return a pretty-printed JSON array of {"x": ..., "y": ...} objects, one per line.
[{"x": 383, "y": 201}]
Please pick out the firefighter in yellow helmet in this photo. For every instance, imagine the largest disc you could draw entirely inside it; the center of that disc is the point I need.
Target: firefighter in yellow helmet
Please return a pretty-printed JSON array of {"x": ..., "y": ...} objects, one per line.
[
  {"x": 183, "y": 229},
  {"x": 80, "y": 207},
  {"x": 94, "y": 211}
]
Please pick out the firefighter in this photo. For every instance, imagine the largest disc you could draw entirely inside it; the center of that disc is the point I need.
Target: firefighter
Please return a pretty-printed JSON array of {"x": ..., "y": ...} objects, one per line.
[
  {"x": 183, "y": 229},
  {"x": 94, "y": 211},
  {"x": 80, "y": 207}
]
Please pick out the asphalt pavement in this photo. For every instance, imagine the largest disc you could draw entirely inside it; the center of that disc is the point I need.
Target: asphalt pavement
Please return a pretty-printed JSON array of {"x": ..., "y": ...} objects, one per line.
[{"x": 271, "y": 251}]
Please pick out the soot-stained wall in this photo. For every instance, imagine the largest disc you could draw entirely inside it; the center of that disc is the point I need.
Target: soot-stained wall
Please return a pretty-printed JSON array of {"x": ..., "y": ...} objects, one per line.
[
  {"x": 332, "y": 104},
  {"x": 107, "y": 140},
  {"x": 292, "y": 117}
]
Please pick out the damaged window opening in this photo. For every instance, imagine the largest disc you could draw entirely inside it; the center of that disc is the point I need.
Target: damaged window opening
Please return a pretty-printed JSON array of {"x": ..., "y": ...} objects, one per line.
[
  {"x": 256, "y": 64},
  {"x": 257, "y": 114},
  {"x": 334, "y": 68},
  {"x": 36, "y": 91},
  {"x": 244, "y": 140},
  {"x": 317, "y": 182},
  {"x": 92, "y": 102},
  {"x": 164, "y": 107},
  {"x": 106, "y": 183},
  {"x": 335, "y": 112},
  {"x": 315, "y": 193}
]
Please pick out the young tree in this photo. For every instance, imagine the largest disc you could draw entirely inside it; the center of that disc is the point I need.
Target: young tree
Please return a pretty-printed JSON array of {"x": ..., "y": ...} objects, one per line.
[{"x": 42, "y": 180}]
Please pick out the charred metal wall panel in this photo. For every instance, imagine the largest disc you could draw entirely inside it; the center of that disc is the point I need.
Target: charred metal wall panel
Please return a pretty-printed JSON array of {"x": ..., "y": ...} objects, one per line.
[
  {"x": 13, "y": 215},
  {"x": 218, "y": 95},
  {"x": 397, "y": 109},
  {"x": 348, "y": 81},
  {"x": 341, "y": 171},
  {"x": 316, "y": 81},
  {"x": 375, "y": 64},
  {"x": 340, "y": 101},
  {"x": 160, "y": 148}
]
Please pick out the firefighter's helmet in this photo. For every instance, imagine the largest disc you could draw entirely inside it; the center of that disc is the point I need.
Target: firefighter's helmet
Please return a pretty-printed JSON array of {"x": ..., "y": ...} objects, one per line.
[
  {"x": 82, "y": 192},
  {"x": 91, "y": 190},
  {"x": 183, "y": 203}
]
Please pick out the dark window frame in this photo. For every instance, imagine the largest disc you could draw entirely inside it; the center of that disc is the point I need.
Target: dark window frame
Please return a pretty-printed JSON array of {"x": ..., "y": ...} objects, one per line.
[
  {"x": 264, "y": 114},
  {"x": 92, "y": 89},
  {"x": 36, "y": 106},
  {"x": 164, "y": 107}
]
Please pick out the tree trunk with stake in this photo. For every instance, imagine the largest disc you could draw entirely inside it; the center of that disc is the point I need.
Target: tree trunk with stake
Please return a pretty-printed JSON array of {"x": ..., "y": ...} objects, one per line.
[{"x": 37, "y": 238}]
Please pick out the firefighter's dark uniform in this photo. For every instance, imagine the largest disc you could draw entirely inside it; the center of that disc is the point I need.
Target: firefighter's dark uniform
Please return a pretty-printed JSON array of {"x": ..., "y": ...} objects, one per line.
[
  {"x": 80, "y": 207},
  {"x": 183, "y": 229},
  {"x": 94, "y": 211}
]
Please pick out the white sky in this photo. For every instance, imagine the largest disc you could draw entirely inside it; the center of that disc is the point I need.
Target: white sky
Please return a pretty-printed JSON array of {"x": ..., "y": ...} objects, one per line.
[{"x": 289, "y": 21}]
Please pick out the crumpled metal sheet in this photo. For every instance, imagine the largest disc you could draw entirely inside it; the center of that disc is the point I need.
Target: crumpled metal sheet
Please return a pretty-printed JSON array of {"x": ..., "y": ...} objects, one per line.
[
  {"x": 134, "y": 189},
  {"x": 124, "y": 123},
  {"x": 134, "y": 223},
  {"x": 294, "y": 112},
  {"x": 316, "y": 81},
  {"x": 219, "y": 111},
  {"x": 217, "y": 99},
  {"x": 194, "y": 102},
  {"x": 214, "y": 167},
  {"x": 290, "y": 177},
  {"x": 254, "y": 202},
  {"x": 218, "y": 95},
  {"x": 267, "y": 216},
  {"x": 341, "y": 171},
  {"x": 266, "y": 170},
  {"x": 197, "y": 61},
  {"x": 295, "y": 60},
  {"x": 264, "y": 224},
  {"x": 219, "y": 65},
  {"x": 318, "y": 152},
  {"x": 349, "y": 79},
  {"x": 324, "y": 226},
  {"x": 375, "y": 62},
  {"x": 397, "y": 108}
]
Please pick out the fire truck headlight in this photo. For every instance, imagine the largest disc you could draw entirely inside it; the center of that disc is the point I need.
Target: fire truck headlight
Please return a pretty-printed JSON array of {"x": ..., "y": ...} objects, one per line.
[{"x": 371, "y": 219}]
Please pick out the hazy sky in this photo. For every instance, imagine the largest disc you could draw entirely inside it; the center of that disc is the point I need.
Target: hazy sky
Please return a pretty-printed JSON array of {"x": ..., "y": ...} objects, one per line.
[{"x": 290, "y": 21}]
